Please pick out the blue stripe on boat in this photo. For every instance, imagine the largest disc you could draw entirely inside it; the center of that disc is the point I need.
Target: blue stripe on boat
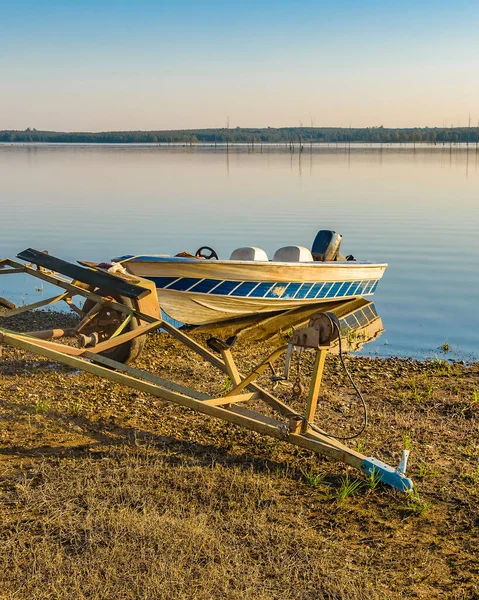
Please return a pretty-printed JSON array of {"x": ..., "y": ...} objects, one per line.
[
  {"x": 355, "y": 288},
  {"x": 261, "y": 290},
  {"x": 205, "y": 286},
  {"x": 304, "y": 290},
  {"x": 276, "y": 290},
  {"x": 184, "y": 283},
  {"x": 315, "y": 290},
  {"x": 162, "y": 282},
  {"x": 290, "y": 291},
  {"x": 333, "y": 290},
  {"x": 280, "y": 290},
  {"x": 343, "y": 289},
  {"x": 225, "y": 288},
  {"x": 245, "y": 288}
]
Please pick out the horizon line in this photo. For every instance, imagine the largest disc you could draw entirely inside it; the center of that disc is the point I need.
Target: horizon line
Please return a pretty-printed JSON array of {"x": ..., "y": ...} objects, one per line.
[{"x": 238, "y": 127}]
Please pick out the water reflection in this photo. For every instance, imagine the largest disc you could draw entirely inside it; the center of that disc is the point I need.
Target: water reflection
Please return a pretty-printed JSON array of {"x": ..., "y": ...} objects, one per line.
[
  {"x": 359, "y": 324},
  {"x": 416, "y": 211}
]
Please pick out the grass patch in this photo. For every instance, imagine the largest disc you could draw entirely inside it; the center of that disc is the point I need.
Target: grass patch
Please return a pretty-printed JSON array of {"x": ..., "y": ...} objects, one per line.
[{"x": 348, "y": 487}]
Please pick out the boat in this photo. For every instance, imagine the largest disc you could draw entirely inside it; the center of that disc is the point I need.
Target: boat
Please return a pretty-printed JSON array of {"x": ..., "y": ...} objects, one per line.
[{"x": 203, "y": 289}]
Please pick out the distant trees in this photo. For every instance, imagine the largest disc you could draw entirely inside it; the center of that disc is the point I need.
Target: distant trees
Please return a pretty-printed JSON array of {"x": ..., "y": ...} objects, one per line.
[{"x": 281, "y": 135}]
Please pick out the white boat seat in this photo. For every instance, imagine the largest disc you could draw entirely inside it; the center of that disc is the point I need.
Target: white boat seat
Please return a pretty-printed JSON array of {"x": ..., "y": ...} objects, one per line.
[
  {"x": 249, "y": 253},
  {"x": 293, "y": 254}
]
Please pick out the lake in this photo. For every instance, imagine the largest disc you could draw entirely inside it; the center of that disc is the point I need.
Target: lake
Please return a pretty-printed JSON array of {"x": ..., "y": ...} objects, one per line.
[{"x": 416, "y": 209}]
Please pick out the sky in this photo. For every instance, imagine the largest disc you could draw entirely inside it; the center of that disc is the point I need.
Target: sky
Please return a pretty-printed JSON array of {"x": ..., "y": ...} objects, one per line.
[{"x": 155, "y": 64}]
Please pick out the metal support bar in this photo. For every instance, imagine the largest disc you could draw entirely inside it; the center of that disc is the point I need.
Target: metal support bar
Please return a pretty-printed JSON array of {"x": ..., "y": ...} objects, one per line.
[
  {"x": 226, "y": 400},
  {"x": 10, "y": 271},
  {"x": 312, "y": 401},
  {"x": 230, "y": 366},
  {"x": 50, "y": 334},
  {"x": 121, "y": 327},
  {"x": 39, "y": 304},
  {"x": 257, "y": 371},
  {"x": 89, "y": 316},
  {"x": 258, "y": 422}
]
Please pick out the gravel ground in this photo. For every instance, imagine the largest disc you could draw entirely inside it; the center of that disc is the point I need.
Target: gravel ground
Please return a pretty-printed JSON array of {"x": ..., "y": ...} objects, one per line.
[{"x": 106, "y": 492}]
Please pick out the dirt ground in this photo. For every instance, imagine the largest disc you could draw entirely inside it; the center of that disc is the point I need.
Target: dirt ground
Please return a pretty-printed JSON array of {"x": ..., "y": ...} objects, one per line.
[{"x": 106, "y": 492}]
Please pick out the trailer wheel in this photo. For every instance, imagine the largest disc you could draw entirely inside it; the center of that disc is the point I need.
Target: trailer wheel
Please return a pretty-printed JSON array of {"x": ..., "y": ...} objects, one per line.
[{"x": 107, "y": 321}]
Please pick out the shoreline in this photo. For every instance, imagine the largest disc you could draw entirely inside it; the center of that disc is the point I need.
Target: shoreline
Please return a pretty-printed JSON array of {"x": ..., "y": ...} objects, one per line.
[{"x": 265, "y": 147}]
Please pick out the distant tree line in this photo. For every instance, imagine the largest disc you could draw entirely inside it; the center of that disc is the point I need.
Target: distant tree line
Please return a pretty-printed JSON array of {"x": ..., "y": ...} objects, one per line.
[{"x": 286, "y": 135}]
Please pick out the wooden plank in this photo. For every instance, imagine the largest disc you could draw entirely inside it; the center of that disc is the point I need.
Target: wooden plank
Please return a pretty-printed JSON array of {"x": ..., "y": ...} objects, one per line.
[
  {"x": 270, "y": 329},
  {"x": 39, "y": 304},
  {"x": 99, "y": 279},
  {"x": 232, "y": 399},
  {"x": 233, "y": 326}
]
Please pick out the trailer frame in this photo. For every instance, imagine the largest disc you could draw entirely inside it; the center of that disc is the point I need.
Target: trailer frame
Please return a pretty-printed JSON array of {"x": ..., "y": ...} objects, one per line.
[{"x": 289, "y": 425}]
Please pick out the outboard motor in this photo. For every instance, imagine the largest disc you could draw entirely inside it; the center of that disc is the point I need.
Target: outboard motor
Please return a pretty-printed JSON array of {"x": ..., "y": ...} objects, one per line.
[{"x": 326, "y": 246}]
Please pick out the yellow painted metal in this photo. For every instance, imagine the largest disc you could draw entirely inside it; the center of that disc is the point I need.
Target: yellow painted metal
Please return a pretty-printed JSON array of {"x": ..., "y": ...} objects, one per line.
[
  {"x": 238, "y": 415},
  {"x": 27, "y": 307},
  {"x": 315, "y": 385}
]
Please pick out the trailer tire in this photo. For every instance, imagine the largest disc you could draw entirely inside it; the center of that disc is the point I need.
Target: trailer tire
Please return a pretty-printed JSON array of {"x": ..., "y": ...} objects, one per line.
[{"x": 127, "y": 352}]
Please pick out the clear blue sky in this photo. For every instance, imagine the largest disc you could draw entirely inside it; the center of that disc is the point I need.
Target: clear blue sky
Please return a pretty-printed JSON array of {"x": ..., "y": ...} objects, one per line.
[{"x": 105, "y": 65}]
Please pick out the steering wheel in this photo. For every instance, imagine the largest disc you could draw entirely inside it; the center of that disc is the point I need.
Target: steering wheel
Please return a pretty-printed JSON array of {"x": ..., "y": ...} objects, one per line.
[{"x": 212, "y": 254}]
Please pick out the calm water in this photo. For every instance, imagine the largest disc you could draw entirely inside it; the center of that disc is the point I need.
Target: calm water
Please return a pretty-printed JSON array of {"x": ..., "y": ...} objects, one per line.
[{"x": 418, "y": 211}]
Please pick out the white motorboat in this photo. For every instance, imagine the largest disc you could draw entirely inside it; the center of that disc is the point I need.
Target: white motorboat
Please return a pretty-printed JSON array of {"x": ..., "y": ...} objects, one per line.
[{"x": 202, "y": 288}]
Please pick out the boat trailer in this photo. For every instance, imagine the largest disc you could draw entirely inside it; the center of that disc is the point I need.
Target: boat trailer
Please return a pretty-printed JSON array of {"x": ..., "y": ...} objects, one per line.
[{"x": 120, "y": 309}]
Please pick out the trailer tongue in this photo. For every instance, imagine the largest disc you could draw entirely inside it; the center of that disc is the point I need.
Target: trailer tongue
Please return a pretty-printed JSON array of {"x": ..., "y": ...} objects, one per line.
[{"x": 119, "y": 310}]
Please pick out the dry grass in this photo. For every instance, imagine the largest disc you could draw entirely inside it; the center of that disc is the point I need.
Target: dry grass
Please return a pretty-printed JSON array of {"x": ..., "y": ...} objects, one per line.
[
  {"x": 139, "y": 526},
  {"x": 109, "y": 493}
]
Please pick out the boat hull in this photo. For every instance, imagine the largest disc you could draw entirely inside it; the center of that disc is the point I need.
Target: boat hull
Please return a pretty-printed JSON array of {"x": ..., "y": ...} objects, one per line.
[{"x": 201, "y": 292}]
